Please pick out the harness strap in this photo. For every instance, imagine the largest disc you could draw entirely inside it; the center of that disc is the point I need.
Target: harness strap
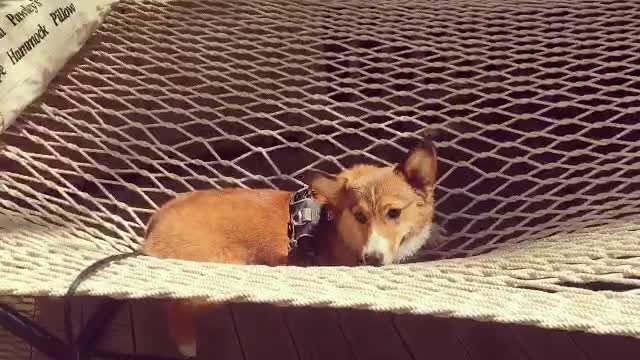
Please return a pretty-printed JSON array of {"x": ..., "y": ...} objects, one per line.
[{"x": 305, "y": 216}]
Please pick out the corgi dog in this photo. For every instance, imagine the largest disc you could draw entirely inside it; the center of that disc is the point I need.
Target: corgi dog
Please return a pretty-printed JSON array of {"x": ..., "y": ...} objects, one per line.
[{"x": 372, "y": 216}]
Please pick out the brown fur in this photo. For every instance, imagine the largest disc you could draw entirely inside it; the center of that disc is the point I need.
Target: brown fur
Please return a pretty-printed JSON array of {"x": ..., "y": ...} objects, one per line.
[
  {"x": 371, "y": 191},
  {"x": 232, "y": 226},
  {"x": 250, "y": 226}
]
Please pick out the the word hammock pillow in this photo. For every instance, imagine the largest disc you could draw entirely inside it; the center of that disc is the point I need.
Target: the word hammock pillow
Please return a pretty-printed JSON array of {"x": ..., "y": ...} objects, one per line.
[{"x": 37, "y": 37}]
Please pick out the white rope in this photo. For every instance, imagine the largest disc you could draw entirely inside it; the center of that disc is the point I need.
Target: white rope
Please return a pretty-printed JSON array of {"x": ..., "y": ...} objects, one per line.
[{"x": 538, "y": 142}]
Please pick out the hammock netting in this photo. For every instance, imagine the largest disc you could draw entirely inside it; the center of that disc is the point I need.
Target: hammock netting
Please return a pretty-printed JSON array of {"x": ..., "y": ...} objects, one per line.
[{"x": 535, "y": 106}]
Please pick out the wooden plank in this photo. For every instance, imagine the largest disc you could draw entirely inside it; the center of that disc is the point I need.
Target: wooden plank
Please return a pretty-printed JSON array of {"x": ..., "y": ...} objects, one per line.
[
  {"x": 217, "y": 337},
  {"x": 117, "y": 335},
  {"x": 50, "y": 315},
  {"x": 151, "y": 331},
  {"x": 372, "y": 336},
  {"x": 430, "y": 337},
  {"x": 488, "y": 341},
  {"x": 12, "y": 347},
  {"x": 317, "y": 334},
  {"x": 605, "y": 347},
  {"x": 263, "y": 333},
  {"x": 544, "y": 344}
]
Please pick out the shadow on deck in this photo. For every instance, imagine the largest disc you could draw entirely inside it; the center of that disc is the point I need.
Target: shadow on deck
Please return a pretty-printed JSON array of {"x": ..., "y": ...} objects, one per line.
[{"x": 251, "y": 331}]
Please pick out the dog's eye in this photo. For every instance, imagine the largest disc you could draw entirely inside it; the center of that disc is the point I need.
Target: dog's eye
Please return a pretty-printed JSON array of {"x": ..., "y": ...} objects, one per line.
[
  {"x": 360, "y": 217},
  {"x": 393, "y": 213}
]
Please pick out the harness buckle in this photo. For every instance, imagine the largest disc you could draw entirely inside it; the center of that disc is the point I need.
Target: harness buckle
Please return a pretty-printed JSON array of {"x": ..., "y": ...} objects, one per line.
[{"x": 305, "y": 215}]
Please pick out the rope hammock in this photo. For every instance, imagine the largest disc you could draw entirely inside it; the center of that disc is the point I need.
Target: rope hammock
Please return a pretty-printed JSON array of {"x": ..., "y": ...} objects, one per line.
[{"x": 534, "y": 103}]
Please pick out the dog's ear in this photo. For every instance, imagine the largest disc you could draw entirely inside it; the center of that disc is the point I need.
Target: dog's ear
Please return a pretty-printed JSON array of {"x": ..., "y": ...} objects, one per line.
[
  {"x": 420, "y": 166},
  {"x": 326, "y": 188}
]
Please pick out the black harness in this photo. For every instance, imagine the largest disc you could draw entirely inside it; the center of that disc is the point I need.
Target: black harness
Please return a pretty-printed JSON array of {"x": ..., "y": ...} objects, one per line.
[{"x": 306, "y": 217}]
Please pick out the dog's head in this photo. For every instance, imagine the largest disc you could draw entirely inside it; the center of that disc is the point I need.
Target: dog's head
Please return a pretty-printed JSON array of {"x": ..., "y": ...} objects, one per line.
[{"x": 382, "y": 214}]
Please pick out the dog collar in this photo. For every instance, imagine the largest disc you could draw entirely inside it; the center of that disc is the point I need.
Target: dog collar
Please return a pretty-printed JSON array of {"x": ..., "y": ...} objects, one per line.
[{"x": 306, "y": 214}]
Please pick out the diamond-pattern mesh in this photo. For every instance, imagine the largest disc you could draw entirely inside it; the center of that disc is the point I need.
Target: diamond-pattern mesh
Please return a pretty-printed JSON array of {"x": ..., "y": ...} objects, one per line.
[{"x": 535, "y": 105}]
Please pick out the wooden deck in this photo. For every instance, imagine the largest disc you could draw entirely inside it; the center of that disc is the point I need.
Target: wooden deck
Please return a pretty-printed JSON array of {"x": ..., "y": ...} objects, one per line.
[{"x": 248, "y": 331}]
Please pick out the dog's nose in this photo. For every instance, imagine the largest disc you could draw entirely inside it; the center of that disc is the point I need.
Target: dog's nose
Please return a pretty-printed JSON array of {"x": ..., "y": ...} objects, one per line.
[{"x": 373, "y": 258}]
